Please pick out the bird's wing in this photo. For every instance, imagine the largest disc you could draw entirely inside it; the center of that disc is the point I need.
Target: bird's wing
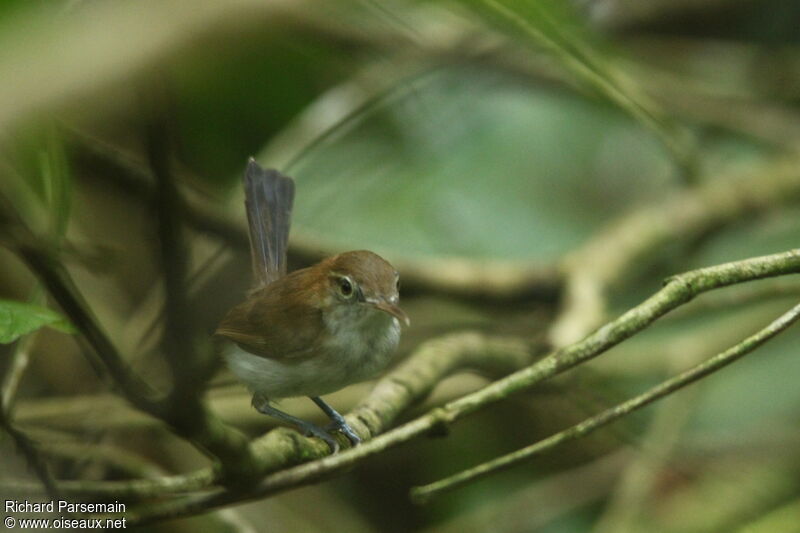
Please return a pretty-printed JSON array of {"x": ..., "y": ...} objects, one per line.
[{"x": 272, "y": 325}]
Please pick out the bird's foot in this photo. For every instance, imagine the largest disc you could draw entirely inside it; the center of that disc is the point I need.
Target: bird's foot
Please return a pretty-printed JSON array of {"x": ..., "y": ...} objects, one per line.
[
  {"x": 310, "y": 430},
  {"x": 344, "y": 427},
  {"x": 307, "y": 428},
  {"x": 339, "y": 423}
]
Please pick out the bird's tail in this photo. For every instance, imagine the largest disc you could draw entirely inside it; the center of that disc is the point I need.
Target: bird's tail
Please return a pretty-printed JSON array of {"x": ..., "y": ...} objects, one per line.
[{"x": 269, "y": 196}]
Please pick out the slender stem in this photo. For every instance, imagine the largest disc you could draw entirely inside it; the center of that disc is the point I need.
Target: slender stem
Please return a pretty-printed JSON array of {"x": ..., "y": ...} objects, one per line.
[
  {"x": 134, "y": 179},
  {"x": 192, "y": 421},
  {"x": 426, "y": 492},
  {"x": 600, "y": 75},
  {"x": 14, "y": 374},
  {"x": 124, "y": 490},
  {"x": 24, "y": 444},
  {"x": 61, "y": 287},
  {"x": 179, "y": 339},
  {"x": 608, "y": 258}
]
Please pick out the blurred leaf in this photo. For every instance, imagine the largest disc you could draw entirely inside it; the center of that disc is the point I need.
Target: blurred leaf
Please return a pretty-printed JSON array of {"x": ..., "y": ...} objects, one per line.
[
  {"x": 555, "y": 28},
  {"x": 56, "y": 181},
  {"x": 17, "y": 319},
  {"x": 471, "y": 163},
  {"x": 84, "y": 54},
  {"x": 222, "y": 119},
  {"x": 41, "y": 182}
]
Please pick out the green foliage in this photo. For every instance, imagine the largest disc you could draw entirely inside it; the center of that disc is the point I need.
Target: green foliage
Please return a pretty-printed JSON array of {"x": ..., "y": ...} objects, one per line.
[
  {"x": 555, "y": 28},
  {"x": 18, "y": 319},
  {"x": 42, "y": 188},
  {"x": 473, "y": 163},
  {"x": 514, "y": 133},
  {"x": 231, "y": 101}
]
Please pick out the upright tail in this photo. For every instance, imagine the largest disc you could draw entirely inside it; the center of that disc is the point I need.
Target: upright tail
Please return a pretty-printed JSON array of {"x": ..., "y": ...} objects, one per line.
[{"x": 269, "y": 196}]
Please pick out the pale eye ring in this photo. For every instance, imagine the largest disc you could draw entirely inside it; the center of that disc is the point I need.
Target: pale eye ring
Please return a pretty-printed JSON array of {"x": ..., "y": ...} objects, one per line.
[{"x": 346, "y": 287}]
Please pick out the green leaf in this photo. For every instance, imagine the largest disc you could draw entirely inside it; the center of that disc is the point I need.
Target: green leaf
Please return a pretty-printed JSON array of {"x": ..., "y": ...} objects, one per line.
[{"x": 18, "y": 318}]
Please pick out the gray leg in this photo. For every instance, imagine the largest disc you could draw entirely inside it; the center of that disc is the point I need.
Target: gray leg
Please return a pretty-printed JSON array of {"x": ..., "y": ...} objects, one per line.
[
  {"x": 262, "y": 406},
  {"x": 338, "y": 420}
]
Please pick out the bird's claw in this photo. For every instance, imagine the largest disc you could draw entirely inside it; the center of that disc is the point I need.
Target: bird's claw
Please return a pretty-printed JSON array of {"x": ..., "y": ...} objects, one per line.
[
  {"x": 345, "y": 428},
  {"x": 313, "y": 431}
]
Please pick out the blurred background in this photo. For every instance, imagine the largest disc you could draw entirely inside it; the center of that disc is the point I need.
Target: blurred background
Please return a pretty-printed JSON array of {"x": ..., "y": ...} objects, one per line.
[{"x": 495, "y": 151}]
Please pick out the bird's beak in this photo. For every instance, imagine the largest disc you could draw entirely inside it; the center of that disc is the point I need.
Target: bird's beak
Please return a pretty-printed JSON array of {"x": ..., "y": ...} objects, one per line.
[{"x": 393, "y": 310}]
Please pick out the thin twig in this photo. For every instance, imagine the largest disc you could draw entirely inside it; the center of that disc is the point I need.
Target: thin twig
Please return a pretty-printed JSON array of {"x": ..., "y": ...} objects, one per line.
[
  {"x": 23, "y": 443},
  {"x": 196, "y": 423},
  {"x": 123, "y": 490},
  {"x": 403, "y": 387},
  {"x": 16, "y": 370},
  {"x": 178, "y": 337},
  {"x": 590, "y": 271},
  {"x": 600, "y": 75},
  {"x": 466, "y": 278},
  {"x": 61, "y": 287},
  {"x": 426, "y": 492},
  {"x": 190, "y": 362}
]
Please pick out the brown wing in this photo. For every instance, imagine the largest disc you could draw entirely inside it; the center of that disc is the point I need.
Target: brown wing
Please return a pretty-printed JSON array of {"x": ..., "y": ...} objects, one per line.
[{"x": 281, "y": 321}]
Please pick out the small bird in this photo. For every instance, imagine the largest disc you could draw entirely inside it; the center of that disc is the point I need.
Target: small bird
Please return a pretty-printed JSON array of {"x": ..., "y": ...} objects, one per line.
[{"x": 315, "y": 330}]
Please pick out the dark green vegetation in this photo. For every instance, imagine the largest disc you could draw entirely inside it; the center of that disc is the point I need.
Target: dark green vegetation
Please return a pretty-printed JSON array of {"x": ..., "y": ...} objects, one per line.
[{"x": 534, "y": 169}]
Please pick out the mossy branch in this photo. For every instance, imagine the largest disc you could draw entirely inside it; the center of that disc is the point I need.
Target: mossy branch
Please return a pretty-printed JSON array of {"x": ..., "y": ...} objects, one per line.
[
  {"x": 413, "y": 380},
  {"x": 677, "y": 291},
  {"x": 426, "y": 492},
  {"x": 608, "y": 257}
]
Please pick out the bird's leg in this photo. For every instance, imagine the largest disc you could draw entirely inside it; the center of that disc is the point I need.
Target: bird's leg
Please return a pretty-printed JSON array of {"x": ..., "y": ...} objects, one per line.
[
  {"x": 262, "y": 406},
  {"x": 338, "y": 420}
]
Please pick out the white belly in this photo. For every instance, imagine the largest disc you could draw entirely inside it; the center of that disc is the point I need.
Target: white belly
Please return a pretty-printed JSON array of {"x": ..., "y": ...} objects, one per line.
[{"x": 357, "y": 353}]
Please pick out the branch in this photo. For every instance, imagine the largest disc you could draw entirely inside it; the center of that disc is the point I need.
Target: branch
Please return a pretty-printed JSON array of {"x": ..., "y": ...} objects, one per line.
[
  {"x": 178, "y": 340},
  {"x": 13, "y": 376},
  {"x": 404, "y": 386},
  {"x": 23, "y": 443},
  {"x": 465, "y": 278},
  {"x": 120, "y": 490},
  {"x": 677, "y": 291},
  {"x": 608, "y": 258},
  {"x": 426, "y": 492},
  {"x": 61, "y": 287},
  {"x": 431, "y": 363},
  {"x": 195, "y": 422}
]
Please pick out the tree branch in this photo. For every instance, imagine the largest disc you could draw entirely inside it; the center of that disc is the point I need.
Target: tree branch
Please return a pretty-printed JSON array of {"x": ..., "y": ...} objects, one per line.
[
  {"x": 178, "y": 339},
  {"x": 195, "y": 423},
  {"x": 23, "y": 443},
  {"x": 404, "y": 386},
  {"x": 426, "y": 492},
  {"x": 677, "y": 291},
  {"x": 608, "y": 258},
  {"x": 465, "y": 278}
]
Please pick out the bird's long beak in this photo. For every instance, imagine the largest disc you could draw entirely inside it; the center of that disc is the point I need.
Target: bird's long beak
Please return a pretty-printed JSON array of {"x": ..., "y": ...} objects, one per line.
[{"x": 393, "y": 310}]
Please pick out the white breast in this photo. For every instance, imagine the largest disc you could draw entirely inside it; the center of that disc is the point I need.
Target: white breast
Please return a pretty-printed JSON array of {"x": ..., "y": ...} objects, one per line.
[{"x": 362, "y": 344}]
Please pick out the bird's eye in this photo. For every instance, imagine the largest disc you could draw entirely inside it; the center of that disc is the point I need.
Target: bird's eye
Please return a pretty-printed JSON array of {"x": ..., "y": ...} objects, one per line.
[{"x": 345, "y": 287}]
